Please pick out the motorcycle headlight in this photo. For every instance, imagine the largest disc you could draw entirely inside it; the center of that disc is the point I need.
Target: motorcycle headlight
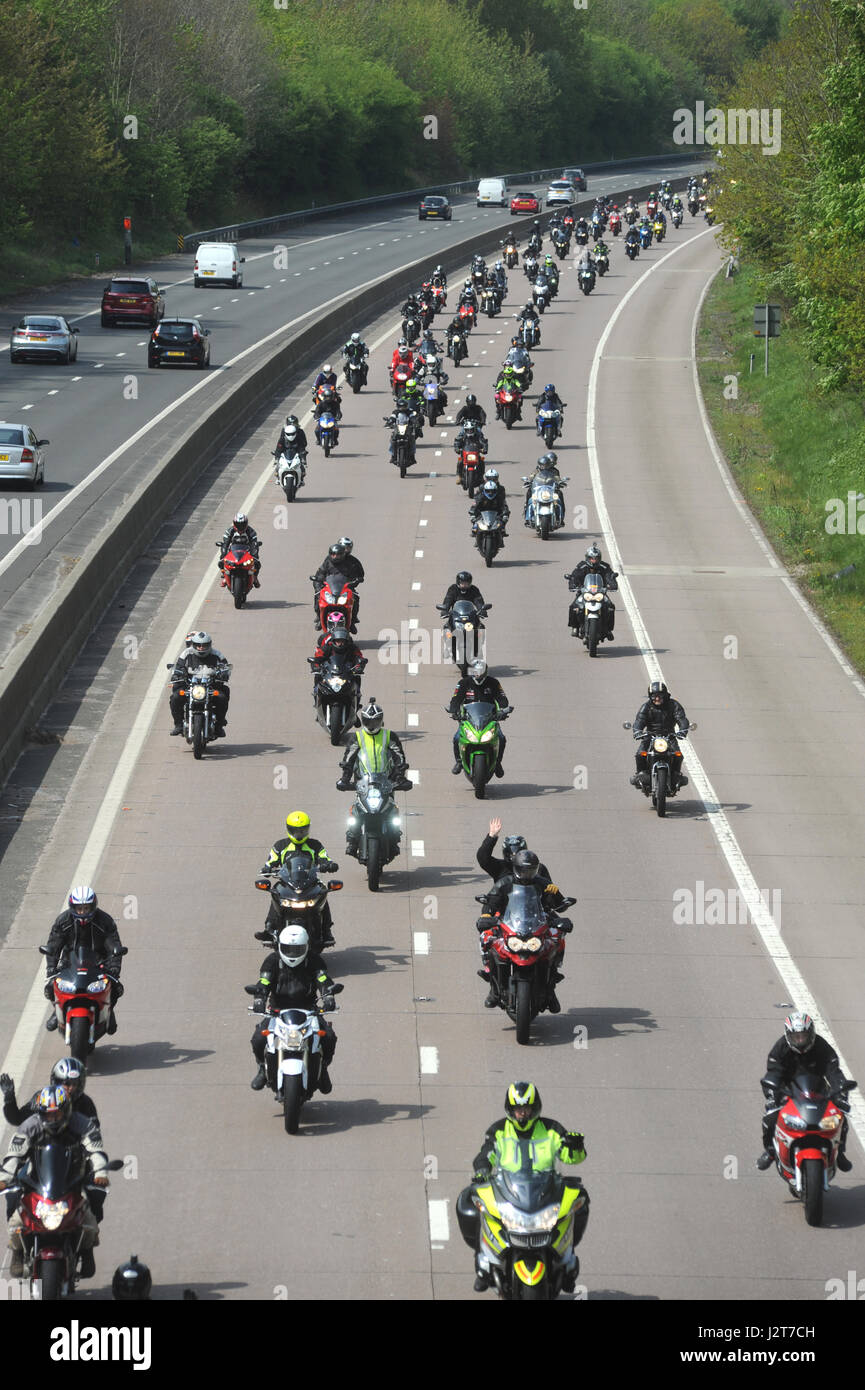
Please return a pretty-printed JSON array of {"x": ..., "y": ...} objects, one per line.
[
  {"x": 545, "y": 495},
  {"x": 328, "y": 596},
  {"x": 343, "y": 598},
  {"x": 286, "y": 902},
  {"x": 486, "y": 735},
  {"x": 660, "y": 745},
  {"x": 294, "y": 1037},
  {"x": 516, "y": 1220},
  {"x": 468, "y": 627},
  {"x": 352, "y": 820},
  {"x": 335, "y": 682},
  {"x": 51, "y": 1214},
  {"x": 515, "y": 943},
  {"x": 198, "y": 692},
  {"x": 533, "y": 944},
  {"x": 830, "y": 1122},
  {"x": 471, "y": 735},
  {"x": 97, "y": 986},
  {"x": 374, "y": 799},
  {"x": 396, "y": 820},
  {"x": 795, "y": 1122}
]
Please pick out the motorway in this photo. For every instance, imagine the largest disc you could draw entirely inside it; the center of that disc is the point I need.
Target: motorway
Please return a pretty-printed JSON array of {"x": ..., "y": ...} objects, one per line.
[{"x": 678, "y": 1018}]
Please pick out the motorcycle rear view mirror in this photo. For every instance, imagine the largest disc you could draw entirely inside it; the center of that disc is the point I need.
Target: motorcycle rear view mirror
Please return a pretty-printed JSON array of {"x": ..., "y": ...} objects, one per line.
[
  {"x": 627, "y": 726},
  {"x": 263, "y": 884},
  {"x": 115, "y": 1165},
  {"x": 43, "y": 950},
  {"x": 692, "y": 727},
  {"x": 334, "y": 884}
]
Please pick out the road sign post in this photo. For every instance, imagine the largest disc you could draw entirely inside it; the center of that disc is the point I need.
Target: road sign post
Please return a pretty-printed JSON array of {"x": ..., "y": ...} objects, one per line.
[{"x": 767, "y": 324}]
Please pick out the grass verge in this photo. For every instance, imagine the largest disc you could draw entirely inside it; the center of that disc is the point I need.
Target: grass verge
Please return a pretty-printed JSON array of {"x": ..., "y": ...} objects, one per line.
[{"x": 795, "y": 454}]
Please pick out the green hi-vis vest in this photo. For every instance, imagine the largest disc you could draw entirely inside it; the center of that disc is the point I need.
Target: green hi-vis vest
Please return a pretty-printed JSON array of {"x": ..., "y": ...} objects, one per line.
[
  {"x": 517, "y": 1152},
  {"x": 373, "y": 755}
]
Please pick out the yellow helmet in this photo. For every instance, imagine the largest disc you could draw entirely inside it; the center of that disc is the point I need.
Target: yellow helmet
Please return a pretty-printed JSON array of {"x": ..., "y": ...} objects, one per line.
[
  {"x": 297, "y": 825},
  {"x": 522, "y": 1096}
]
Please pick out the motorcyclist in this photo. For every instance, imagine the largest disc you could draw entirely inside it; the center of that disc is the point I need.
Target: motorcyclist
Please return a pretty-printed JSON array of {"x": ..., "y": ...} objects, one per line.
[
  {"x": 200, "y": 652},
  {"x": 511, "y": 845},
  {"x": 550, "y": 399},
  {"x": 652, "y": 203},
  {"x": 292, "y": 440},
  {"x": 536, "y": 240},
  {"x": 478, "y": 685},
  {"x": 410, "y": 408},
  {"x": 547, "y": 464},
  {"x": 356, "y": 351},
  {"x": 402, "y": 357},
  {"x": 298, "y": 841},
  {"x": 581, "y": 228},
  {"x": 291, "y": 977},
  {"x": 468, "y": 295},
  {"x": 586, "y": 262},
  {"x": 456, "y": 330},
  {"x": 411, "y": 308},
  {"x": 376, "y": 749},
  {"x": 462, "y": 588},
  {"x": 632, "y": 236},
  {"x": 68, "y": 1072},
  {"x": 602, "y": 251},
  {"x": 84, "y": 925},
  {"x": 594, "y": 563},
  {"x": 801, "y": 1049},
  {"x": 328, "y": 401},
  {"x": 337, "y": 642},
  {"x": 472, "y": 410},
  {"x": 54, "y": 1120},
  {"x": 676, "y": 205},
  {"x": 525, "y": 870},
  {"x": 132, "y": 1281},
  {"x": 240, "y": 526},
  {"x": 528, "y": 312},
  {"x": 519, "y": 358},
  {"x": 500, "y": 276},
  {"x": 412, "y": 396},
  {"x": 491, "y": 497},
  {"x": 523, "y": 1139},
  {"x": 508, "y": 380},
  {"x": 339, "y": 560},
  {"x": 659, "y": 714}
]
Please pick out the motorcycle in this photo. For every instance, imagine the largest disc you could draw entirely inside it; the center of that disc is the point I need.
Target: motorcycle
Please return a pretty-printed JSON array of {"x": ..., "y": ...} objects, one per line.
[
  {"x": 560, "y": 245},
  {"x": 631, "y": 215},
  {"x": 667, "y": 198},
  {"x": 199, "y": 714},
  {"x": 594, "y": 606},
  {"x": 238, "y": 570},
  {"x": 403, "y": 439},
  {"x": 440, "y": 298},
  {"x": 299, "y": 896},
  {"x": 651, "y": 209},
  {"x": 530, "y": 266},
  {"x": 463, "y": 627},
  {"x": 659, "y": 229},
  {"x": 602, "y": 261},
  {"x": 598, "y": 230},
  {"x": 662, "y": 759},
  {"x": 432, "y": 399},
  {"x": 399, "y": 375},
  {"x": 581, "y": 236},
  {"x": 376, "y": 820},
  {"x": 549, "y": 424},
  {"x": 807, "y": 1139},
  {"x": 336, "y": 595},
  {"x": 489, "y": 301},
  {"x": 530, "y": 332},
  {"x": 677, "y": 215},
  {"x": 51, "y": 1193},
  {"x": 527, "y": 1231},
  {"x": 82, "y": 999},
  {"x": 457, "y": 348},
  {"x": 336, "y": 695},
  {"x": 470, "y": 469},
  {"x": 411, "y": 329},
  {"x": 523, "y": 373},
  {"x": 645, "y": 238},
  {"x": 510, "y": 403},
  {"x": 632, "y": 250},
  {"x": 511, "y": 255},
  {"x": 524, "y": 949},
  {"x": 710, "y": 215},
  {"x": 355, "y": 374},
  {"x": 479, "y": 741},
  {"x": 693, "y": 206},
  {"x": 468, "y": 315},
  {"x": 488, "y": 533},
  {"x": 430, "y": 366},
  {"x": 615, "y": 223},
  {"x": 291, "y": 473},
  {"x": 327, "y": 431},
  {"x": 541, "y": 294},
  {"x": 293, "y": 1057},
  {"x": 545, "y": 509},
  {"x": 586, "y": 277}
]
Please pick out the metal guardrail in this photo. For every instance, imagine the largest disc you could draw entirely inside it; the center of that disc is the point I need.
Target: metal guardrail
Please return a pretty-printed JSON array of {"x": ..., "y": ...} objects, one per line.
[{"x": 191, "y": 240}]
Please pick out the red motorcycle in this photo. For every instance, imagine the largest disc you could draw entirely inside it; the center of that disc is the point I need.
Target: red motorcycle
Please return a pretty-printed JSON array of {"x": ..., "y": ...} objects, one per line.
[
  {"x": 399, "y": 375},
  {"x": 335, "y": 596},
  {"x": 82, "y": 1000},
  {"x": 510, "y": 403},
  {"x": 470, "y": 470},
  {"x": 440, "y": 297},
  {"x": 468, "y": 314},
  {"x": 238, "y": 570},
  {"x": 807, "y": 1139},
  {"x": 51, "y": 1201},
  {"x": 652, "y": 208},
  {"x": 525, "y": 951},
  {"x": 615, "y": 223}
]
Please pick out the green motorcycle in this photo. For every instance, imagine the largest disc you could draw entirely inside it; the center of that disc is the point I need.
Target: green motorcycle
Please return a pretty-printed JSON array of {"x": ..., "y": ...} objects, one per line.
[{"x": 479, "y": 741}]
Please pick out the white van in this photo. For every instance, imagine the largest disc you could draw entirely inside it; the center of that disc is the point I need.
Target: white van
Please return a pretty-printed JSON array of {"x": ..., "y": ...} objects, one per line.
[
  {"x": 217, "y": 262},
  {"x": 492, "y": 191}
]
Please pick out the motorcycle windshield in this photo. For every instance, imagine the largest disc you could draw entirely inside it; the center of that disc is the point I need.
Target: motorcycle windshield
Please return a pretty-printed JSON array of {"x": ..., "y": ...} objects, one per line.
[
  {"x": 811, "y": 1096},
  {"x": 239, "y": 549},
  {"x": 528, "y": 1190},
  {"x": 490, "y": 519},
  {"x": 478, "y": 713},
  {"x": 299, "y": 876},
  {"x": 82, "y": 961},
  {"x": 463, "y": 612},
  {"x": 54, "y": 1168},
  {"x": 374, "y": 792},
  {"x": 338, "y": 664},
  {"x": 523, "y": 915},
  {"x": 593, "y": 585}
]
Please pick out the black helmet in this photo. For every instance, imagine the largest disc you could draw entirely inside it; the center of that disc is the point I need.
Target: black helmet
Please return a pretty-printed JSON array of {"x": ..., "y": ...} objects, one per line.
[
  {"x": 593, "y": 555},
  {"x": 464, "y": 578},
  {"x": 471, "y": 399},
  {"x": 525, "y": 865},
  {"x": 131, "y": 1281},
  {"x": 658, "y": 688},
  {"x": 511, "y": 845},
  {"x": 337, "y": 551},
  {"x": 522, "y": 1096}
]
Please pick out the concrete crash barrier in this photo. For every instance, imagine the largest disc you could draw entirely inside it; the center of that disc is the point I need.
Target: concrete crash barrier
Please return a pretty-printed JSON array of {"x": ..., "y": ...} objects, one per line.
[{"x": 89, "y": 575}]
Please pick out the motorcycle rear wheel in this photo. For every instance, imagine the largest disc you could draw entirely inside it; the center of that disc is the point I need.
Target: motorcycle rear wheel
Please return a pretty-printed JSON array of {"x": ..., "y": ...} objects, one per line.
[
  {"x": 812, "y": 1190},
  {"x": 523, "y": 1017},
  {"x": 292, "y": 1102}
]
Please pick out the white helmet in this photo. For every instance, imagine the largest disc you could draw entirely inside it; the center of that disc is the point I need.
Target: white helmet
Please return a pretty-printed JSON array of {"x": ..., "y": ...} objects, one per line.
[
  {"x": 490, "y": 475},
  {"x": 355, "y": 337},
  {"x": 293, "y": 946}
]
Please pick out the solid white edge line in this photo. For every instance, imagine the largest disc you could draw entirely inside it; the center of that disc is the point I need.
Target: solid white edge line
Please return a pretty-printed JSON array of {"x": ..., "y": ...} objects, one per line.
[{"x": 761, "y": 917}]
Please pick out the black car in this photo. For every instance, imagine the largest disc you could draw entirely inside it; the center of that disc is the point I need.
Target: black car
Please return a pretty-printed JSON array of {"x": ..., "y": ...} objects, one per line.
[
  {"x": 577, "y": 177},
  {"x": 434, "y": 206},
  {"x": 179, "y": 340}
]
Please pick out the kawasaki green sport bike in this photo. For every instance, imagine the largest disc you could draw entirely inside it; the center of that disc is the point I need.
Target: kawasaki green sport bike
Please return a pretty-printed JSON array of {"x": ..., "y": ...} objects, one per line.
[{"x": 479, "y": 741}]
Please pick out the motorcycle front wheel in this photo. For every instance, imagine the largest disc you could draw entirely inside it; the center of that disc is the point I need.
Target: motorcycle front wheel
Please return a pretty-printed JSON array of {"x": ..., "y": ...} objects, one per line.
[
  {"x": 79, "y": 1038},
  {"x": 523, "y": 1018},
  {"x": 292, "y": 1102},
  {"x": 479, "y": 780},
  {"x": 660, "y": 795},
  {"x": 51, "y": 1277},
  {"x": 812, "y": 1190},
  {"x": 238, "y": 589},
  {"x": 592, "y": 636},
  {"x": 197, "y": 735},
  {"x": 373, "y": 864}
]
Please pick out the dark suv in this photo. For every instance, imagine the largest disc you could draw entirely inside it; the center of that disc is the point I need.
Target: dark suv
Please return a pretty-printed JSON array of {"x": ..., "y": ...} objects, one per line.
[
  {"x": 174, "y": 341},
  {"x": 126, "y": 299}
]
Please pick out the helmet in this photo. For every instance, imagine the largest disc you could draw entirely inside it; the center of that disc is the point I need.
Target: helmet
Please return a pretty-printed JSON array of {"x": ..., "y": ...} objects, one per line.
[
  {"x": 372, "y": 718},
  {"x": 478, "y": 670},
  {"x": 524, "y": 865},
  {"x": 339, "y": 633},
  {"x": 202, "y": 643},
  {"x": 292, "y": 420},
  {"x": 489, "y": 488},
  {"x": 593, "y": 555},
  {"x": 529, "y": 306},
  {"x": 512, "y": 845},
  {"x": 549, "y": 390},
  {"x": 290, "y": 431},
  {"x": 347, "y": 544},
  {"x": 471, "y": 399},
  {"x": 544, "y": 461},
  {"x": 500, "y": 265},
  {"x": 54, "y": 1107},
  {"x": 799, "y": 1031},
  {"x": 524, "y": 1098},
  {"x": 82, "y": 900},
  {"x": 71, "y": 1075},
  {"x": 464, "y": 579},
  {"x": 337, "y": 551},
  {"x": 241, "y": 521},
  {"x": 658, "y": 688},
  {"x": 335, "y": 620},
  {"x": 411, "y": 384},
  {"x": 293, "y": 946},
  {"x": 297, "y": 825},
  {"x": 327, "y": 368},
  {"x": 131, "y": 1281},
  {"x": 402, "y": 345},
  {"x": 552, "y": 459},
  {"x": 468, "y": 285},
  {"x": 355, "y": 338},
  {"x": 491, "y": 475}
]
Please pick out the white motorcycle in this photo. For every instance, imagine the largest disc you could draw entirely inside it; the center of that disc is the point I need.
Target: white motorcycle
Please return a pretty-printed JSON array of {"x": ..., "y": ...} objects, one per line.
[
  {"x": 545, "y": 507},
  {"x": 290, "y": 473},
  {"x": 293, "y": 1057}
]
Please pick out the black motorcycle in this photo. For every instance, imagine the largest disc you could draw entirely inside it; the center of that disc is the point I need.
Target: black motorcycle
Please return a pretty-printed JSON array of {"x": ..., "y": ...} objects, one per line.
[
  {"x": 299, "y": 897},
  {"x": 489, "y": 529},
  {"x": 199, "y": 711},
  {"x": 663, "y": 775},
  {"x": 375, "y": 822},
  {"x": 336, "y": 694},
  {"x": 464, "y": 625},
  {"x": 402, "y": 441}
]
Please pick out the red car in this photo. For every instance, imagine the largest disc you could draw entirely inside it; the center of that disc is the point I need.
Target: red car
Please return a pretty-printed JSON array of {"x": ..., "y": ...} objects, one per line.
[
  {"x": 130, "y": 298},
  {"x": 524, "y": 202}
]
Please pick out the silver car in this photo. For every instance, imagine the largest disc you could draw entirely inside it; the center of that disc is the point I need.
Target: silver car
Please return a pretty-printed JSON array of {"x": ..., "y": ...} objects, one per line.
[
  {"x": 21, "y": 454},
  {"x": 43, "y": 335},
  {"x": 561, "y": 191}
]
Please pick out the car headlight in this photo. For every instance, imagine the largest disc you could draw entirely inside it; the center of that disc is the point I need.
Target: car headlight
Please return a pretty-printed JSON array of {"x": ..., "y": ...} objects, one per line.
[
  {"x": 516, "y": 1220},
  {"x": 198, "y": 692},
  {"x": 51, "y": 1214},
  {"x": 660, "y": 745}
]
